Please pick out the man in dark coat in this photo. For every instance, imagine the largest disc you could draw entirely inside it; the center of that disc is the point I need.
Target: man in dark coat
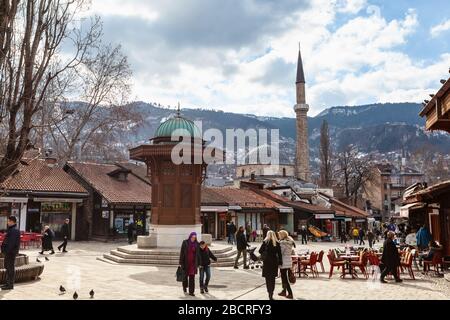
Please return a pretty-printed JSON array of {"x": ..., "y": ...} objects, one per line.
[
  {"x": 189, "y": 262},
  {"x": 304, "y": 234},
  {"x": 233, "y": 230},
  {"x": 362, "y": 234},
  {"x": 390, "y": 258},
  {"x": 65, "y": 235},
  {"x": 130, "y": 232},
  {"x": 265, "y": 229},
  {"x": 10, "y": 248},
  {"x": 242, "y": 244}
]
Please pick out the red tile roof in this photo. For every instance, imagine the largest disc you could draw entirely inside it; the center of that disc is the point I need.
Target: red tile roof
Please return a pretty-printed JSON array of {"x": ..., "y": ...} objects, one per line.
[
  {"x": 245, "y": 198},
  {"x": 312, "y": 208},
  {"x": 343, "y": 209},
  {"x": 137, "y": 169},
  {"x": 131, "y": 191},
  {"x": 212, "y": 196},
  {"x": 36, "y": 175}
]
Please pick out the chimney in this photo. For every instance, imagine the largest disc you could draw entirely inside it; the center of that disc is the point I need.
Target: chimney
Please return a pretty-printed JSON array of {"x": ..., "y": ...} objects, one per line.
[{"x": 49, "y": 160}]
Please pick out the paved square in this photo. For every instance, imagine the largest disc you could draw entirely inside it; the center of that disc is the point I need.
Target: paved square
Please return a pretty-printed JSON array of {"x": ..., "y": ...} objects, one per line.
[{"x": 80, "y": 270}]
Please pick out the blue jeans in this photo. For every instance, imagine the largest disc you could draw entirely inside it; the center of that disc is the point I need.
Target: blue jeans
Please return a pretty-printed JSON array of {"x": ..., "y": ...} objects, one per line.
[{"x": 205, "y": 270}]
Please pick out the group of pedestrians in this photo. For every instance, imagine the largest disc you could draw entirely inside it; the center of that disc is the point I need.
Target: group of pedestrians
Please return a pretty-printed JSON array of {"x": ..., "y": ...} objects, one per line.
[
  {"x": 11, "y": 245},
  {"x": 195, "y": 255},
  {"x": 48, "y": 235},
  {"x": 275, "y": 252}
]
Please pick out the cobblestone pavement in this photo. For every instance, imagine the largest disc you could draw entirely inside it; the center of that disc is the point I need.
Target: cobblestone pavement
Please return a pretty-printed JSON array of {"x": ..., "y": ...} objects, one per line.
[{"x": 79, "y": 270}]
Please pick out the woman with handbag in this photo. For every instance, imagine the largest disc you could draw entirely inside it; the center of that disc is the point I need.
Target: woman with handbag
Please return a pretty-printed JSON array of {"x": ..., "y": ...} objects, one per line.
[
  {"x": 271, "y": 255},
  {"x": 189, "y": 262},
  {"x": 286, "y": 245}
]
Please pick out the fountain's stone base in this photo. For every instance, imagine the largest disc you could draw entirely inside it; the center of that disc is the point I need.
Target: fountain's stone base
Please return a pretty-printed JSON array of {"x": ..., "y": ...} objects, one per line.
[{"x": 25, "y": 271}]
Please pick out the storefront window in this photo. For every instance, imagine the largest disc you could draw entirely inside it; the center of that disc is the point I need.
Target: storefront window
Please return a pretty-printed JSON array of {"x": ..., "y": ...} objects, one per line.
[
  {"x": 53, "y": 214},
  {"x": 122, "y": 220},
  {"x": 5, "y": 212}
]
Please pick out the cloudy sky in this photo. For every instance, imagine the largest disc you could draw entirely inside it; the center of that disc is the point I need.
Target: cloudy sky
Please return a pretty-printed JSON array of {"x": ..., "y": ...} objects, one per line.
[{"x": 240, "y": 55}]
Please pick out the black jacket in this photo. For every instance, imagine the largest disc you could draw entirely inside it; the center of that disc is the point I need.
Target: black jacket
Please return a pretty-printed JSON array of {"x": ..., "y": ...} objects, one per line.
[
  {"x": 265, "y": 230},
  {"x": 241, "y": 241},
  {"x": 11, "y": 243},
  {"x": 232, "y": 228},
  {"x": 47, "y": 240},
  {"x": 130, "y": 230},
  {"x": 390, "y": 256},
  {"x": 65, "y": 230},
  {"x": 184, "y": 252},
  {"x": 205, "y": 257},
  {"x": 273, "y": 259}
]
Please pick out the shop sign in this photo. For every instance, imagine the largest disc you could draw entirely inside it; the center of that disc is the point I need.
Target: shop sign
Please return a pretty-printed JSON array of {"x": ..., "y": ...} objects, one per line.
[
  {"x": 324, "y": 216},
  {"x": 104, "y": 202},
  {"x": 105, "y": 214},
  {"x": 222, "y": 215},
  {"x": 56, "y": 207}
]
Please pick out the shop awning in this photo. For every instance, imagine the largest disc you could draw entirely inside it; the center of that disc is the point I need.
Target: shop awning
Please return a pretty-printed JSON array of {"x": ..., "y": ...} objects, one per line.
[
  {"x": 236, "y": 208},
  {"x": 323, "y": 216},
  {"x": 13, "y": 199},
  {"x": 57, "y": 200},
  {"x": 214, "y": 208},
  {"x": 404, "y": 210},
  {"x": 285, "y": 210}
]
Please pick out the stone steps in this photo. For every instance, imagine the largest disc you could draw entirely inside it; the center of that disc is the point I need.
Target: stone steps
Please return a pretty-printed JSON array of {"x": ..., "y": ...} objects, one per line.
[
  {"x": 165, "y": 257},
  {"x": 161, "y": 262},
  {"x": 170, "y": 252},
  {"x": 156, "y": 256}
]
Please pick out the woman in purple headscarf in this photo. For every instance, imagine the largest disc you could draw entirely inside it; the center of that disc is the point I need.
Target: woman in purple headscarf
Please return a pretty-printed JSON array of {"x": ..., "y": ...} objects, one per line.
[{"x": 189, "y": 261}]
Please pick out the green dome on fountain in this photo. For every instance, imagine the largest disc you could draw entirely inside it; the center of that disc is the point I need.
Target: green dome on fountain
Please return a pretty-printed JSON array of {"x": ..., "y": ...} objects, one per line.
[{"x": 178, "y": 122}]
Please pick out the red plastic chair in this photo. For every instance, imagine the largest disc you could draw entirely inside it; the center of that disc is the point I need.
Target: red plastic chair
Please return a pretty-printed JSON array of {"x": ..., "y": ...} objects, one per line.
[
  {"x": 334, "y": 263},
  {"x": 25, "y": 241},
  {"x": 361, "y": 263},
  {"x": 311, "y": 264},
  {"x": 435, "y": 263},
  {"x": 320, "y": 260},
  {"x": 407, "y": 264}
]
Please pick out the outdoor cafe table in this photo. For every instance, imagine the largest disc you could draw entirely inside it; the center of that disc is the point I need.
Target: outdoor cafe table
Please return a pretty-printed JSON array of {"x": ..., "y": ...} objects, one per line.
[
  {"x": 348, "y": 266},
  {"x": 297, "y": 258}
]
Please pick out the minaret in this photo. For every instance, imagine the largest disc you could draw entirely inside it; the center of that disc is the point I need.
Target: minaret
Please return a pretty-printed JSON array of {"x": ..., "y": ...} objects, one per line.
[{"x": 301, "y": 110}]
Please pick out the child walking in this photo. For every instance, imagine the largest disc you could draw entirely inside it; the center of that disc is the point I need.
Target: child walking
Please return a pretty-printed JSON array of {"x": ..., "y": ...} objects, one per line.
[{"x": 205, "y": 269}]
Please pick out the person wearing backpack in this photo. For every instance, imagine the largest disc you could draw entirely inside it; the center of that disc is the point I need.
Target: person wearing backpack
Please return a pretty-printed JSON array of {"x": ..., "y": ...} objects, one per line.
[{"x": 47, "y": 240}]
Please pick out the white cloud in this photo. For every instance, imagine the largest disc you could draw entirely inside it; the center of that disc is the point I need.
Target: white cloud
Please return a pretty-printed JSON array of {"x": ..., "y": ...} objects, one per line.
[
  {"x": 436, "y": 30},
  {"x": 225, "y": 67},
  {"x": 350, "y": 6}
]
